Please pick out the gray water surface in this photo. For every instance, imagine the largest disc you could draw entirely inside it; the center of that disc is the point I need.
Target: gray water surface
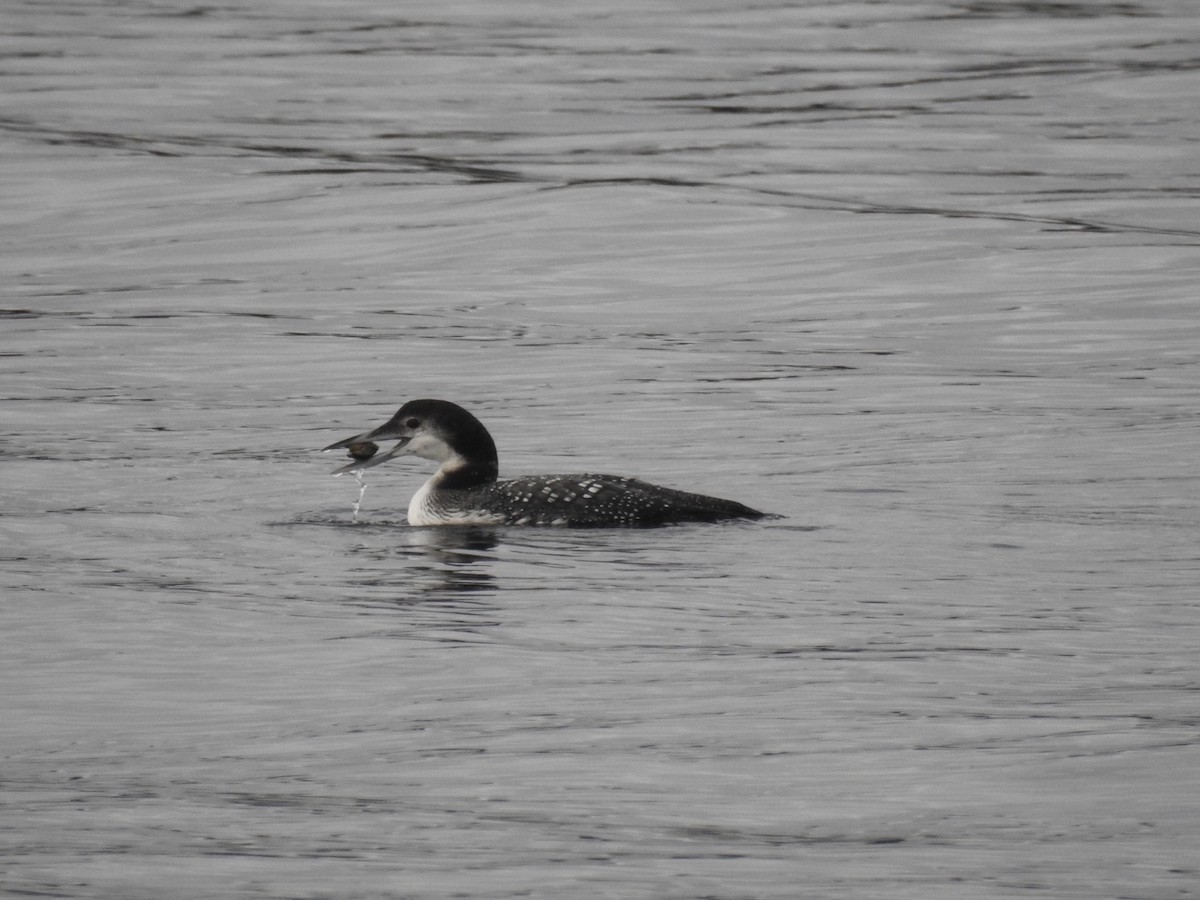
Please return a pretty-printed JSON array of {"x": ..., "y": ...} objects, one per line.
[{"x": 918, "y": 277}]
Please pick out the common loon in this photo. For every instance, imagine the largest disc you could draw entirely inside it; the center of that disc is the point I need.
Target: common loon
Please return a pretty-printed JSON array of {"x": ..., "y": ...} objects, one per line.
[{"x": 465, "y": 489}]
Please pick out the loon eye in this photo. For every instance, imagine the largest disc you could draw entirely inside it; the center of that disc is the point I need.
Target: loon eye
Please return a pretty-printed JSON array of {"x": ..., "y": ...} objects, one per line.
[{"x": 411, "y": 423}]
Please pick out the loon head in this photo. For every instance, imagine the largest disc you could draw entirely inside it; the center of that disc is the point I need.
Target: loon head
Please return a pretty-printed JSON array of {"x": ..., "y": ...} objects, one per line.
[{"x": 432, "y": 429}]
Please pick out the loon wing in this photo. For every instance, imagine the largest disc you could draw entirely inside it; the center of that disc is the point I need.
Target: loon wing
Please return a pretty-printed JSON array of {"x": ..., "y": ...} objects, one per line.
[{"x": 592, "y": 500}]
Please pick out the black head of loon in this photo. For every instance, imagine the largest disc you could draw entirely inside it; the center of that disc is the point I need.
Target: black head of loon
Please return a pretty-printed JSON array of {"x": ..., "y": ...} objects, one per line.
[
  {"x": 438, "y": 430},
  {"x": 465, "y": 489}
]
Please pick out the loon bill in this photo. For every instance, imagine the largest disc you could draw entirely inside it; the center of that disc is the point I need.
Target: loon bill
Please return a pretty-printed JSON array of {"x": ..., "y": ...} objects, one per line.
[{"x": 465, "y": 490}]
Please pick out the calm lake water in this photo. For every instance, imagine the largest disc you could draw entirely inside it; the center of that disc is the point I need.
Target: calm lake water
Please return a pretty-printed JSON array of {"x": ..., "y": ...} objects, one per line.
[{"x": 919, "y": 277}]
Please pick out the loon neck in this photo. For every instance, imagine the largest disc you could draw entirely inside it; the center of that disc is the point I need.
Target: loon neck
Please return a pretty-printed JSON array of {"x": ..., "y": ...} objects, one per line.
[
  {"x": 470, "y": 458},
  {"x": 461, "y": 474}
]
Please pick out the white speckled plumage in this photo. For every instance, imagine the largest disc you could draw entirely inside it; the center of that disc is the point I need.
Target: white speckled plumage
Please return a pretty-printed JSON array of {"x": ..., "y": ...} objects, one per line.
[{"x": 466, "y": 491}]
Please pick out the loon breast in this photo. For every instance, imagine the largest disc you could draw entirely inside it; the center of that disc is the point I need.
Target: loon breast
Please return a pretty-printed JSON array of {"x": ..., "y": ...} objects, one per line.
[{"x": 465, "y": 489}]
